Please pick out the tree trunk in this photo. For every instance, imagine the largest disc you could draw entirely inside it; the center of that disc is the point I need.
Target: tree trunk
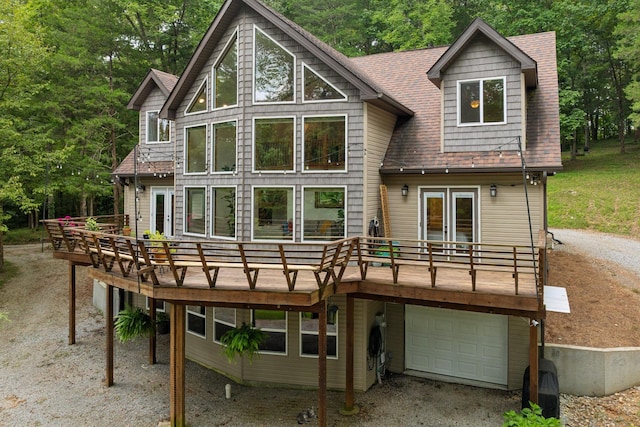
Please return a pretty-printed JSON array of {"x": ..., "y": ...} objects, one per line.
[
  {"x": 587, "y": 139},
  {"x": 574, "y": 145}
]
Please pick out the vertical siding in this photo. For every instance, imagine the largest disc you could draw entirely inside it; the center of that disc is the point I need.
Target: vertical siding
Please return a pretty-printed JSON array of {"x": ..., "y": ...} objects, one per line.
[
  {"x": 395, "y": 336},
  {"x": 379, "y": 126},
  {"x": 483, "y": 59},
  {"x": 518, "y": 351}
]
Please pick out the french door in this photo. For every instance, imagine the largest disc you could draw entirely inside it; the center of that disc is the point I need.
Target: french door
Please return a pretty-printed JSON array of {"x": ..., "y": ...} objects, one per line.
[
  {"x": 162, "y": 206},
  {"x": 450, "y": 214}
]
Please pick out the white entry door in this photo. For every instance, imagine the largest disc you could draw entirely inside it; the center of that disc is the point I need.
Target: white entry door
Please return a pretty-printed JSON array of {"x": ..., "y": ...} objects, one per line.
[
  {"x": 162, "y": 204},
  {"x": 459, "y": 344}
]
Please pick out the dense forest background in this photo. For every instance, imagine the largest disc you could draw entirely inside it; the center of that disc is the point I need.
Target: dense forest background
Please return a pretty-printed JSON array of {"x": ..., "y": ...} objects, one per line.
[{"x": 69, "y": 67}]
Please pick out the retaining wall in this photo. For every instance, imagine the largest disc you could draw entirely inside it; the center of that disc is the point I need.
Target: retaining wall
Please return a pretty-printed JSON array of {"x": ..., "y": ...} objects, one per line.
[{"x": 586, "y": 371}]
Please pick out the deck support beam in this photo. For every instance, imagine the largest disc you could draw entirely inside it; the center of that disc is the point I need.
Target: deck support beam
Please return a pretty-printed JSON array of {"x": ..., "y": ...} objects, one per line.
[
  {"x": 349, "y": 407},
  {"x": 322, "y": 364},
  {"x": 109, "y": 335},
  {"x": 177, "y": 370},
  {"x": 152, "y": 337},
  {"x": 533, "y": 361},
  {"x": 72, "y": 303}
]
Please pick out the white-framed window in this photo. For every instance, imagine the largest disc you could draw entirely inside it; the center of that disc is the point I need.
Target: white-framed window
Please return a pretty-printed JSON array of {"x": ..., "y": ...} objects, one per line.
[
  {"x": 195, "y": 149},
  {"x": 309, "y": 336},
  {"x": 274, "y": 324},
  {"x": 482, "y": 101},
  {"x": 223, "y": 212},
  {"x": 199, "y": 103},
  {"x": 273, "y": 213},
  {"x": 323, "y": 213},
  {"x": 225, "y": 75},
  {"x": 224, "y": 319},
  {"x": 196, "y": 320},
  {"x": 224, "y": 147},
  {"x": 318, "y": 89},
  {"x": 274, "y": 71},
  {"x": 274, "y": 144},
  {"x": 195, "y": 209},
  {"x": 158, "y": 130},
  {"x": 325, "y": 143},
  {"x": 160, "y": 305}
]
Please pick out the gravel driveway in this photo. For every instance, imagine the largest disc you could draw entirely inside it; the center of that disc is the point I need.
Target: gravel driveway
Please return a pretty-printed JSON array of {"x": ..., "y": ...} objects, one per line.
[{"x": 619, "y": 250}]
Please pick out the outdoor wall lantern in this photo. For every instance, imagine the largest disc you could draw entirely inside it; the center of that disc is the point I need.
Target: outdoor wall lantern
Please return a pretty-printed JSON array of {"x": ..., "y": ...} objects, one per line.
[
  {"x": 332, "y": 314},
  {"x": 405, "y": 190},
  {"x": 140, "y": 188},
  {"x": 493, "y": 190}
]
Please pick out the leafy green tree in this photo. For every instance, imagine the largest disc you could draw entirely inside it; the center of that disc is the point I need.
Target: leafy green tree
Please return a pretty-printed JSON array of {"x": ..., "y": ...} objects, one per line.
[{"x": 628, "y": 49}]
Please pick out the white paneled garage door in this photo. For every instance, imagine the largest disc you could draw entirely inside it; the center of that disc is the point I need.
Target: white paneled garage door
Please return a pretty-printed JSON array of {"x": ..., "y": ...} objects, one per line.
[{"x": 456, "y": 343}]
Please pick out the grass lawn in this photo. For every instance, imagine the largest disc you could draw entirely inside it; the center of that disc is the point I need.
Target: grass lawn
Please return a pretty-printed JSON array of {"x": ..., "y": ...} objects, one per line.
[{"x": 598, "y": 191}]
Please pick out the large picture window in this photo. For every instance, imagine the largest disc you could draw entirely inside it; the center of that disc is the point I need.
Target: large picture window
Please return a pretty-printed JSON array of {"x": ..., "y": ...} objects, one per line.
[
  {"x": 274, "y": 72},
  {"x": 224, "y": 319},
  {"x": 325, "y": 143},
  {"x": 195, "y": 210},
  {"x": 274, "y": 144},
  {"x": 324, "y": 213},
  {"x": 482, "y": 101},
  {"x": 158, "y": 130},
  {"x": 224, "y": 147},
  {"x": 223, "y": 214},
  {"x": 273, "y": 210},
  {"x": 309, "y": 336},
  {"x": 195, "y": 149},
  {"x": 274, "y": 324},
  {"x": 226, "y": 77},
  {"x": 196, "y": 320}
]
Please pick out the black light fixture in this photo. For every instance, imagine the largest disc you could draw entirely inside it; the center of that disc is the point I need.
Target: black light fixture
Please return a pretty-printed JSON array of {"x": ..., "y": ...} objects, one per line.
[
  {"x": 405, "y": 190},
  {"x": 332, "y": 314},
  {"x": 493, "y": 190}
]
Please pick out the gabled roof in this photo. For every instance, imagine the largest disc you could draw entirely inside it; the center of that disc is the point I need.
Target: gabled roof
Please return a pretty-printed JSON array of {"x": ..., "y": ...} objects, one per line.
[
  {"x": 477, "y": 27},
  {"x": 370, "y": 91},
  {"x": 416, "y": 142},
  {"x": 154, "y": 78}
]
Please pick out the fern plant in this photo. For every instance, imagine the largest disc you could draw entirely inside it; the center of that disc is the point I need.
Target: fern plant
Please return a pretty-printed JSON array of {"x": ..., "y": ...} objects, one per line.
[
  {"x": 242, "y": 341},
  {"x": 133, "y": 322}
]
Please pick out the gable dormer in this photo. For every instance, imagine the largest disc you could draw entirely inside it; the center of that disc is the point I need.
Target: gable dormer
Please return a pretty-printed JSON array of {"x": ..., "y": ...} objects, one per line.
[{"x": 483, "y": 80}]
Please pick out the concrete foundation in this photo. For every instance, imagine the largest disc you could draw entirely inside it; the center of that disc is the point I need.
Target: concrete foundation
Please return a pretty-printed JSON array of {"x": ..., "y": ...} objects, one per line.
[
  {"x": 585, "y": 371},
  {"x": 100, "y": 297}
]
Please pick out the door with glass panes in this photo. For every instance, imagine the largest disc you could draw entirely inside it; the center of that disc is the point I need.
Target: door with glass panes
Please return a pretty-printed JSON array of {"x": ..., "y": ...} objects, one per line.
[
  {"x": 450, "y": 214},
  {"x": 162, "y": 204}
]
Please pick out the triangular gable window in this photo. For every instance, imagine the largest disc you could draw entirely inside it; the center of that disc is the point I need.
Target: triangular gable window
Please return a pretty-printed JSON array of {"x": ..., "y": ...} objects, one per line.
[
  {"x": 226, "y": 76},
  {"x": 199, "y": 102},
  {"x": 274, "y": 70},
  {"x": 317, "y": 89}
]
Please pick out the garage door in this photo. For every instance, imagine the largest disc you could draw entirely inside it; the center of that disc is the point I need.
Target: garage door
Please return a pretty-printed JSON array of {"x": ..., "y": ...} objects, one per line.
[{"x": 458, "y": 344}]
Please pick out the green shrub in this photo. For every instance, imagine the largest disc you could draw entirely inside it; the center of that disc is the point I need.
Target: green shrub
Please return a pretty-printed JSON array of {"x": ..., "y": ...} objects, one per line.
[
  {"x": 242, "y": 341},
  {"x": 529, "y": 417}
]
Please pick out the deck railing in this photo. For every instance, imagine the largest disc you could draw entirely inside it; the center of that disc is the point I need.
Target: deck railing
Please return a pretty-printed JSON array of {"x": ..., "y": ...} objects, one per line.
[{"x": 327, "y": 261}]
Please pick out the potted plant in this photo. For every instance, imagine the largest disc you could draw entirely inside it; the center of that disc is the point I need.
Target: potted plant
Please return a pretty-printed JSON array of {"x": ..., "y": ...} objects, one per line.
[
  {"x": 91, "y": 224},
  {"x": 133, "y": 322},
  {"x": 156, "y": 243},
  {"x": 242, "y": 341},
  {"x": 163, "y": 322},
  {"x": 126, "y": 230}
]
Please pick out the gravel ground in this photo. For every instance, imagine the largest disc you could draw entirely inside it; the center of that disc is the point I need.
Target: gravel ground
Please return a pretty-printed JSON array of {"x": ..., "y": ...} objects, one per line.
[{"x": 46, "y": 382}]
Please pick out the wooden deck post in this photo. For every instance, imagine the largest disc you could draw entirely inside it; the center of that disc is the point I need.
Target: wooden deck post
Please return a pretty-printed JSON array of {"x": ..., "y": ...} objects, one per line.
[
  {"x": 349, "y": 405},
  {"x": 322, "y": 364},
  {"x": 72, "y": 303},
  {"x": 152, "y": 338},
  {"x": 178, "y": 324},
  {"x": 533, "y": 362},
  {"x": 109, "y": 335}
]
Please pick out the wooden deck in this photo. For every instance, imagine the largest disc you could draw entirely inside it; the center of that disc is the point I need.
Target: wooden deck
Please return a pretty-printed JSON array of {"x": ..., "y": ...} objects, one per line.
[{"x": 502, "y": 279}]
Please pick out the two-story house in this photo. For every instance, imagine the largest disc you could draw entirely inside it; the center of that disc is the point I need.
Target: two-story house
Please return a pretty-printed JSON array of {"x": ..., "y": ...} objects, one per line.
[{"x": 271, "y": 135}]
